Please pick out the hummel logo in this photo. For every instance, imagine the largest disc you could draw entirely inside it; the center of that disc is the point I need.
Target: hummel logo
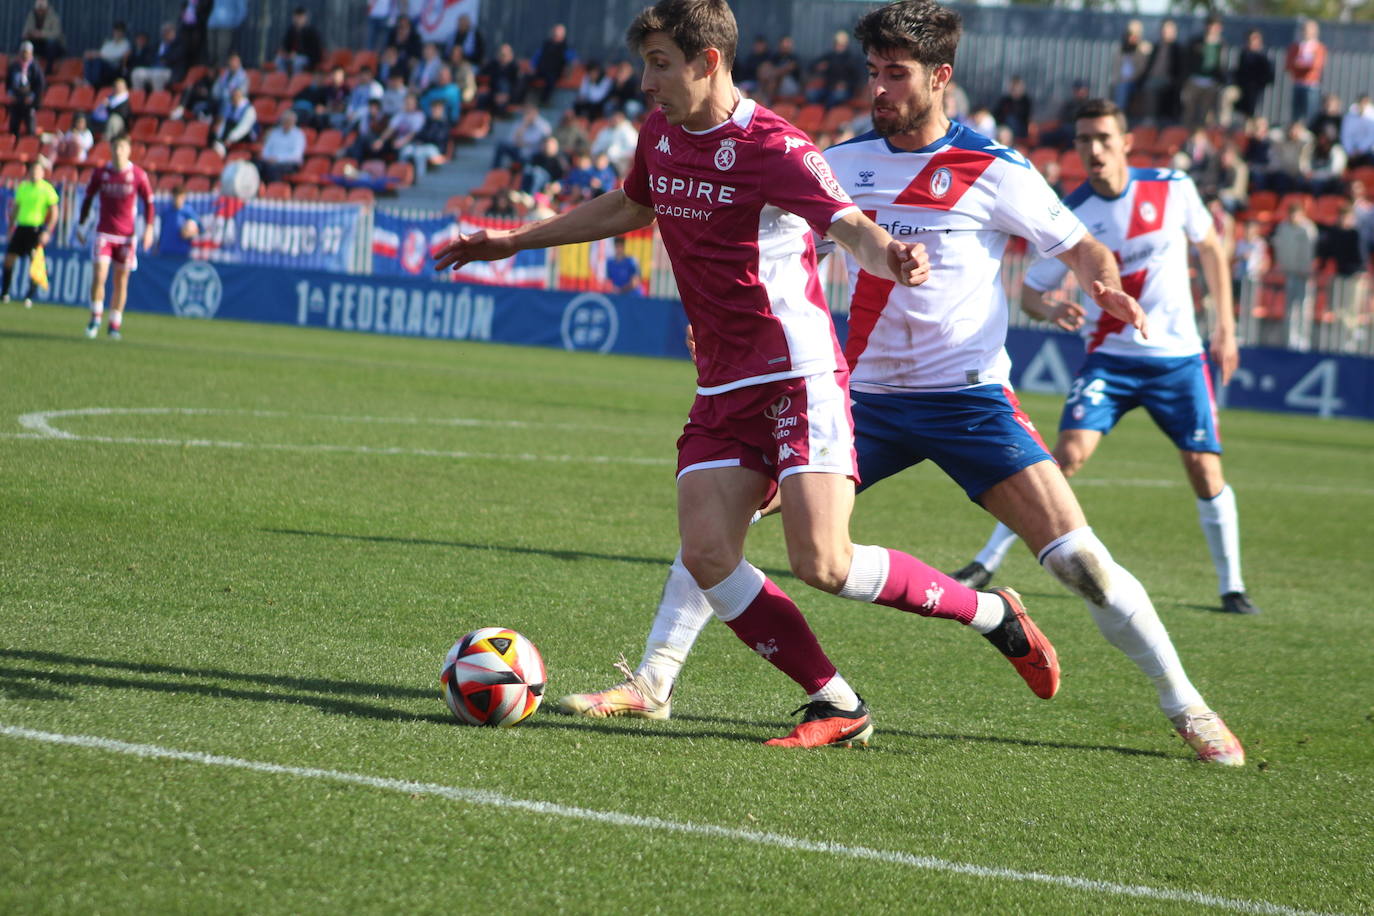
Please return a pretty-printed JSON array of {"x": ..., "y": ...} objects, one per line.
[
  {"x": 663, "y": 145},
  {"x": 792, "y": 143}
]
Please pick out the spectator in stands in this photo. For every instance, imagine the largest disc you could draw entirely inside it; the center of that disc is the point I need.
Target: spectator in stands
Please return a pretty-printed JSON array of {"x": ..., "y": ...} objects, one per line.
[
  {"x": 301, "y": 46},
  {"x": 552, "y": 60},
  {"x": 1129, "y": 65},
  {"x": 582, "y": 183},
  {"x": 1233, "y": 178},
  {"x": 43, "y": 29},
  {"x": 746, "y": 69},
  {"x": 426, "y": 69},
  {"x": 1341, "y": 245},
  {"x": 231, "y": 77},
  {"x": 463, "y": 74},
  {"x": 113, "y": 116},
  {"x": 222, "y": 26},
  {"x": 1061, "y": 135},
  {"x": 1305, "y": 61},
  {"x": 1364, "y": 218},
  {"x": 156, "y": 73},
  {"x": 472, "y": 42},
  {"x": 405, "y": 39},
  {"x": 1054, "y": 176},
  {"x": 445, "y": 92},
  {"x": 1013, "y": 109},
  {"x": 237, "y": 124},
  {"x": 593, "y": 93},
  {"x": 334, "y": 98},
  {"x": 1164, "y": 76},
  {"x": 198, "y": 100},
  {"x": 401, "y": 129},
  {"x": 390, "y": 64},
  {"x": 365, "y": 91},
  {"x": 841, "y": 72},
  {"x": 957, "y": 106},
  {"x": 25, "y": 83},
  {"x": 1291, "y": 160},
  {"x": 503, "y": 205},
  {"x": 1205, "y": 72},
  {"x": 141, "y": 53},
  {"x": 192, "y": 24},
  {"x": 394, "y": 96},
  {"x": 1328, "y": 120},
  {"x": 572, "y": 135},
  {"x": 429, "y": 146},
  {"x": 981, "y": 121},
  {"x": 369, "y": 126},
  {"x": 1199, "y": 159},
  {"x": 779, "y": 74},
  {"x": 622, "y": 271},
  {"x": 1254, "y": 74},
  {"x": 1249, "y": 262},
  {"x": 617, "y": 140},
  {"x": 1357, "y": 132},
  {"x": 551, "y": 160},
  {"x": 283, "y": 149},
  {"x": 1294, "y": 245},
  {"x": 75, "y": 143},
  {"x": 524, "y": 139},
  {"x": 311, "y": 104},
  {"x": 381, "y": 16},
  {"x": 1258, "y": 150},
  {"x": 1327, "y": 166},
  {"x": 99, "y": 68},
  {"x": 176, "y": 237},
  {"x": 505, "y": 83},
  {"x": 625, "y": 93}
]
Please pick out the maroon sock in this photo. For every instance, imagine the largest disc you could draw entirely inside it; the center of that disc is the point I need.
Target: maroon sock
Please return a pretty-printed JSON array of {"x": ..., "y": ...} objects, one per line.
[{"x": 773, "y": 627}]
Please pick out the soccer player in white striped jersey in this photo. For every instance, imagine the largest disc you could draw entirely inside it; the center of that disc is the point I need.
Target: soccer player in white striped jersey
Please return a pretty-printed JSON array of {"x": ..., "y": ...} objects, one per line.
[
  {"x": 1148, "y": 217},
  {"x": 928, "y": 366}
]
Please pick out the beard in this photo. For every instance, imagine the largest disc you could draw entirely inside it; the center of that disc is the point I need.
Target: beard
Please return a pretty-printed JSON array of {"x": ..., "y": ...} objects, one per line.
[{"x": 902, "y": 121}]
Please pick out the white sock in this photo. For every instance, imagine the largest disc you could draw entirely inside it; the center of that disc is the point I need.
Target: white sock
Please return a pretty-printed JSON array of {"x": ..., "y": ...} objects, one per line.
[
  {"x": 97, "y": 309},
  {"x": 867, "y": 574},
  {"x": 995, "y": 550},
  {"x": 1123, "y": 613},
  {"x": 990, "y": 614},
  {"x": 682, "y": 614},
  {"x": 730, "y": 596},
  {"x": 837, "y": 691},
  {"x": 1221, "y": 527}
]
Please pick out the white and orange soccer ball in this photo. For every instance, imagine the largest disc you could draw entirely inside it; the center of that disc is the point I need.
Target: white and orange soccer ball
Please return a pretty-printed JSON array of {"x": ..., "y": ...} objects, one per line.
[{"x": 493, "y": 676}]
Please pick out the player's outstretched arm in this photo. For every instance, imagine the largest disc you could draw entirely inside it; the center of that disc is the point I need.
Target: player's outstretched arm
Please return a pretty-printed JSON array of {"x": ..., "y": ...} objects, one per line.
[
  {"x": 878, "y": 253},
  {"x": 1047, "y": 306},
  {"x": 1095, "y": 267},
  {"x": 1211, "y": 255},
  {"x": 601, "y": 217}
]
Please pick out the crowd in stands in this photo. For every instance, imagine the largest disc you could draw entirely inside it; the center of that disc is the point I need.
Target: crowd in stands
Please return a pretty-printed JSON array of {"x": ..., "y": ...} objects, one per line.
[{"x": 317, "y": 121}]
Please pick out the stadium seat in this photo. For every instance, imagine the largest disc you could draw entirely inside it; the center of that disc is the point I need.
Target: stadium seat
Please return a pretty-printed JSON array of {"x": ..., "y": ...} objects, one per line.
[
  {"x": 277, "y": 190},
  {"x": 313, "y": 172},
  {"x": 1171, "y": 140},
  {"x": 170, "y": 132},
  {"x": 274, "y": 84},
  {"x": 193, "y": 74},
  {"x": 46, "y": 120},
  {"x": 65, "y": 174},
  {"x": 137, "y": 151},
  {"x": 159, "y": 104},
  {"x": 12, "y": 171},
  {"x": 810, "y": 118},
  {"x": 361, "y": 196},
  {"x": 266, "y": 107},
  {"x": 495, "y": 180},
  {"x": 138, "y": 100},
  {"x": 168, "y": 182},
  {"x": 837, "y": 118},
  {"x": 196, "y": 134},
  {"x": 7, "y": 141},
  {"x": 208, "y": 163},
  {"x": 1071, "y": 170},
  {"x": 157, "y": 159},
  {"x": 82, "y": 98},
  {"x": 1327, "y": 209},
  {"x": 402, "y": 172},
  {"x": 339, "y": 57},
  {"x": 183, "y": 160},
  {"x": 238, "y": 154},
  {"x": 1296, "y": 197},
  {"x": 144, "y": 129},
  {"x": 473, "y": 126},
  {"x": 57, "y": 97},
  {"x": 25, "y": 148},
  {"x": 298, "y": 84},
  {"x": 327, "y": 143},
  {"x": 306, "y": 192},
  {"x": 1145, "y": 136},
  {"x": 1264, "y": 200},
  {"x": 342, "y": 166},
  {"x": 68, "y": 70},
  {"x": 64, "y": 121},
  {"x": 333, "y": 193},
  {"x": 199, "y": 184}
]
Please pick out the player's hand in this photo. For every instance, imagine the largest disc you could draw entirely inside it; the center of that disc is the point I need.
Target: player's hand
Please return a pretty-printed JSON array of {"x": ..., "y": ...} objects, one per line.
[
  {"x": 691, "y": 343},
  {"x": 908, "y": 262},
  {"x": 1225, "y": 354},
  {"x": 483, "y": 245},
  {"x": 1062, "y": 312},
  {"x": 148, "y": 238},
  {"x": 1120, "y": 304}
]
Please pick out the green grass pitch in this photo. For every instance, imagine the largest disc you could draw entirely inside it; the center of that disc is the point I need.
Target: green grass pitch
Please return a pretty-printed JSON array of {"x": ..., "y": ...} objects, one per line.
[{"x": 257, "y": 543}]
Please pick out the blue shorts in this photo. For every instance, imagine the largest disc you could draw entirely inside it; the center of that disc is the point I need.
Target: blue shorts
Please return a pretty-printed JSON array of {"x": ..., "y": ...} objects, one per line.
[
  {"x": 978, "y": 436},
  {"x": 1176, "y": 390}
]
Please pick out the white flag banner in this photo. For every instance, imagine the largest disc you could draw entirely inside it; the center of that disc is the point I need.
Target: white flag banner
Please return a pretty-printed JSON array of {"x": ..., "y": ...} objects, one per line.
[{"x": 437, "y": 20}]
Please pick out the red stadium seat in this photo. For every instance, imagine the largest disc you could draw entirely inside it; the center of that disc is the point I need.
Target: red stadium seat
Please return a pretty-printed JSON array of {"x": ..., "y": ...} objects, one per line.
[
  {"x": 208, "y": 163},
  {"x": 277, "y": 190},
  {"x": 68, "y": 70},
  {"x": 198, "y": 184},
  {"x": 157, "y": 159},
  {"x": 168, "y": 182},
  {"x": 26, "y": 148},
  {"x": 340, "y": 57},
  {"x": 267, "y": 109},
  {"x": 327, "y": 143},
  {"x": 474, "y": 126},
  {"x": 138, "y": 101},
  {"x": 159, "y": 104},
  {"x": 363, "y": 59},
  {"x": 298, "y": 84},
  {"x": 58, "y": 97},
  {"x": 82, "y": 98},
  {"x": 183, "y": 160},
  {"x": 333, "y": 193},
  {"x": 170, "y": 132},
  {"x": 12, "y": 171},
  {"x": 361, "y": 196},
  {"x": 144, "y": 130},
  {"x": 196, "y": 133},
  {"x": 306, "y": 192},
  {"x": 496, "y": 180},
  {"x": 65, "y": 174},
  {"x": 275, "y": 84},
  {"x": 402, "y": 172}
]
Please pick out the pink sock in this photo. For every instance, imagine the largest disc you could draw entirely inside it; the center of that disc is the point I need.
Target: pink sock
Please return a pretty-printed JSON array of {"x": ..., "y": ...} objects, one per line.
[
  {"x": 920, "y": 589},
  {"x": 772, "y": 626}
]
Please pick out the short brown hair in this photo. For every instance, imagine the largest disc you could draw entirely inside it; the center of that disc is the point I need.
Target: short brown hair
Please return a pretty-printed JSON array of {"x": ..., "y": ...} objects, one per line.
[
  {"x": 693, "y": 25},
  {"x": 1102, "y": 108},
  {"x": 924, "y": 29}
]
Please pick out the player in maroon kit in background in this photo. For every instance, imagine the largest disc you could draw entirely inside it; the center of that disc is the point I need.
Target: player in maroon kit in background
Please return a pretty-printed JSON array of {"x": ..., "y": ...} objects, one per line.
[
  {"x": 737, "y": 192},
  {"x": 119, "y": 185}
]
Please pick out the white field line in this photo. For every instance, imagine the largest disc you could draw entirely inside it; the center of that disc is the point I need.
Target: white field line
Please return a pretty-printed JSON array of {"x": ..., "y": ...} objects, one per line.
[
  {"x": 40, "y": 426},
  {"x": 617, "y": 819}
]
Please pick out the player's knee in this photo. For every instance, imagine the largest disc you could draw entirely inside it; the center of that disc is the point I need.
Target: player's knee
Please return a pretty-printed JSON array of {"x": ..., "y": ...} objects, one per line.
[
  {"x": 825, "y": 570},
  {"x": 1082, "y": 563},
  {"x": 709, "y": 563},
  {"x": 1070, "y": 459}
]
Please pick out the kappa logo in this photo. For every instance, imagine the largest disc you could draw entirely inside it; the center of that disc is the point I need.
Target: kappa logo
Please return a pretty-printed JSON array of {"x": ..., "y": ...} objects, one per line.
[
  {"x": 725, "y": 156},
  {"x": 1148, "y": 213},
  {"x": 766, "y": 649},
  {"x": 791, "y": 143},
  {"x": 786, "y": 451},
  {"x": 778, "y": 408},
  {"x": 865, "y": 179},
  {"x": 940, "y": 182},
  {"x": 816, "y": 164},
  {"x": 663, "y": 145}
]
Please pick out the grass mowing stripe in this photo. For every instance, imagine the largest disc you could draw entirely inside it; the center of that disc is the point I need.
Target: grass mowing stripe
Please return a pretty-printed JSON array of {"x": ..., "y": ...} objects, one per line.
[{"x": 550, "y": 809}]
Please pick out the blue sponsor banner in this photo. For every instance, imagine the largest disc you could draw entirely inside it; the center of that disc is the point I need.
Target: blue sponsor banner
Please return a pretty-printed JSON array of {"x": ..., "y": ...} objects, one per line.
[{"x": 405, "y": 243}]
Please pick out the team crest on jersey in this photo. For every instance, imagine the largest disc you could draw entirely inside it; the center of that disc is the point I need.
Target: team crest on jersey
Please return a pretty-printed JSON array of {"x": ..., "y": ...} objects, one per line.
[
  {"x": 1148, "y": 212},
  {"x": 865, "y": 179},
  {"x": 725, "y": 156},
  {"x": 791, "y": 143},
  {"x": 940, "y": 182},
  {"x": 817, "y": 165},
  {"x": 663, "y": 145}
]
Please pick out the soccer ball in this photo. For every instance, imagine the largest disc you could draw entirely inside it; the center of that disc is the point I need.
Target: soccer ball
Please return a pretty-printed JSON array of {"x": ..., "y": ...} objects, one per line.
[{"x": 493, "y": 676}]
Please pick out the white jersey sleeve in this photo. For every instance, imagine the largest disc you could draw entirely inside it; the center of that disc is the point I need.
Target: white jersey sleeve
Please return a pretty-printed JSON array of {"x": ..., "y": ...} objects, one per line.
[
  {"x": 1027, "y": 206},
  {"x": 1197, "y": 222}
]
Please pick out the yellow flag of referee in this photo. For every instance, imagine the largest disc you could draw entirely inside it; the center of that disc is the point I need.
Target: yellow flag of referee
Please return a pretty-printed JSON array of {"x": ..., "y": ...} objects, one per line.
[{"x": 38, "y": 269}]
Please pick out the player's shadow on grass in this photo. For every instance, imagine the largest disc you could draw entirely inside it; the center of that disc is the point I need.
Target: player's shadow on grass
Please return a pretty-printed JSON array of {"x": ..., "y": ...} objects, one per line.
[
  {"x": 76, "y": 338},
  {"x": 661, "y": 562}
]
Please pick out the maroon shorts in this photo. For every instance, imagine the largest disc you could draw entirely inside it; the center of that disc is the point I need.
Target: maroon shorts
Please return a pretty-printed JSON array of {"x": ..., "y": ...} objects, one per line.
[{"x": 118, "y": 249}]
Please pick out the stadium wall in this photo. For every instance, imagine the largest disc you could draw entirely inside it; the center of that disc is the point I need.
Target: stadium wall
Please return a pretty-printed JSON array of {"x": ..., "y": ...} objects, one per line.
[{"x": 1322, "y": 384}]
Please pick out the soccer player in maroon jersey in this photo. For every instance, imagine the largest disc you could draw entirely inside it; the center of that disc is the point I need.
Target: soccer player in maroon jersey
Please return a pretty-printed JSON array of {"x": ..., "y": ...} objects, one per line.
[
  {"x": 737, "y": 192},
  {"x": 120, "y": 185}
]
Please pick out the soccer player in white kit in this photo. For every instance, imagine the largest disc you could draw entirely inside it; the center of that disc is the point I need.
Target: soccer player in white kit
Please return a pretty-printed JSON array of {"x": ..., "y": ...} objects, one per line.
[
  {"x": 738, "y": 193},
  {"x": 929, "y": 370},
  {"x": 1148, "y": 217}
]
